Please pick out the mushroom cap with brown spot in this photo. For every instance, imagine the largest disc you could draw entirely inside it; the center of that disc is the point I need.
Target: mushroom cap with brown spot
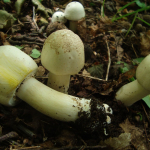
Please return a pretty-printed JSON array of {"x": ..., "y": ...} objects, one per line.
[{"x": 63, "y": 53}]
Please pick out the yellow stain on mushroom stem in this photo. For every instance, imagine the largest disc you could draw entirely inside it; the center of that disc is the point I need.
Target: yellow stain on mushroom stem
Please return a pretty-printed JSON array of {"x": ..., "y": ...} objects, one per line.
[{"x": 12, "y": 73}]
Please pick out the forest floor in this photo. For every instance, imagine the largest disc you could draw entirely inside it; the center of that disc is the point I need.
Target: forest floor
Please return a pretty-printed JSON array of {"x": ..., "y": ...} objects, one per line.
[{"x": 112, "y": 55}]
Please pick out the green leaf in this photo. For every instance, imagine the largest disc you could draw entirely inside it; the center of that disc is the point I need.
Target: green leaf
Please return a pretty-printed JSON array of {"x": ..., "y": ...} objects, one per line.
[
  {"x": 147, "y": 100},
  {"x": 92, "y": 4},
  {"x": 19, "y": 47},
  {"x": 96, "y": 71},
  {"x": 140, "y": 4},
  {"x": 18, "y": 5},
  {"x": 137, "y": 61},
  {"x": 35, "y": 53},
  {"x": 40, "y": 7},
  {"x": 124, "y": 69},
  {"x": 132, "y": 79},
  {"x": 140, "y": 116},
  {"x": 6, "y": 1},
  {"x": 6, "y": 19}
]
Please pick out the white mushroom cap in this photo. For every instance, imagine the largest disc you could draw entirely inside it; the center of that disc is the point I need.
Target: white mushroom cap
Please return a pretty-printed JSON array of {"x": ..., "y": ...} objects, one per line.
[
  {"x": 63, "y": 53},
  {"x": 58, "y": 16},
  {"x": 15, "y": 66},
  {"x": 74, "y": 11},
  {"x": 143, "y": 73}
]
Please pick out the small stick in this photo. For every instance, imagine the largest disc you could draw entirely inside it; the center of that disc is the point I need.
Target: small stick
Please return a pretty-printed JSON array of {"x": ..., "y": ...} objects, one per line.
[
  {"x": 29, "y": 148},
  {"x": 134, "y": 51},
  {"x": 9, "y": 135},
  {"x": 34, "y": 19},
  {"x": 109, "y": 60},
  {"x": 146, "y": 113},
  {"x": 90, "y": 77}
]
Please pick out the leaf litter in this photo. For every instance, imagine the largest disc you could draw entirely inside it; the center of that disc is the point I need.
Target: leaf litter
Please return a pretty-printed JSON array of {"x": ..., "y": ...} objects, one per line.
[{"x": 99, "y": 34}]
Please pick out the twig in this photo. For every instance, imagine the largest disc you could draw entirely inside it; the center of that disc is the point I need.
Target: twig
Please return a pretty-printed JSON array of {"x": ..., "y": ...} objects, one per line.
[
  {"x": 8, "y": 136},
  {"x": 134, "y": 51},
  {"x": 80, "y": 147},
  {"x": 109, "y": 60},
  {"x": 90, "y": 77},
  {"x": 34, "y": 19},
  {"x": 146, "y": 113},
  {"x": 25, "y": 130},
  {"x": 29, "y": 148}
]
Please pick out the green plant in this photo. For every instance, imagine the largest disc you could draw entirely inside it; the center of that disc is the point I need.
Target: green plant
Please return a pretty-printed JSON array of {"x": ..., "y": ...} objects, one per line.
[{"x": 143, "y": 8}]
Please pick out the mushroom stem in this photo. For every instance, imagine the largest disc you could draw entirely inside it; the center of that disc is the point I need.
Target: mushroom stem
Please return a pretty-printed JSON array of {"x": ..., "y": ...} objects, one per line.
[
  {"x": 52, "y": 103},
  {"x": 59, "y": 82},
  {"x": 131, "y": 93},
  {"x": 73, "y": 25}
]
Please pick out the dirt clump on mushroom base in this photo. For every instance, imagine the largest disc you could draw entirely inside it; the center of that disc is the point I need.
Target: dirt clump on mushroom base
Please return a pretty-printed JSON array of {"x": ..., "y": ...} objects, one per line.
[
  {"x": 96, "y": 126},
  {"x": 95, "y": 121}
]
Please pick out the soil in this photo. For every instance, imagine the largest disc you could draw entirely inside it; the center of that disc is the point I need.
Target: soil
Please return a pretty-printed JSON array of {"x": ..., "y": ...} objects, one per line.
[{"x": 24, "y": 128}]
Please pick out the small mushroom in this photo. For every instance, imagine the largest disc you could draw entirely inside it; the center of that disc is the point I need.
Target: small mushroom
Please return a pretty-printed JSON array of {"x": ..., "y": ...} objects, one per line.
[
  {"x": 74, "y": 11},
  {"x": 62, "y": 55},
  {"x": 58, "y": 16},
  {"x": 16, "y": 80},
  {"x": 134, "y": 91}
]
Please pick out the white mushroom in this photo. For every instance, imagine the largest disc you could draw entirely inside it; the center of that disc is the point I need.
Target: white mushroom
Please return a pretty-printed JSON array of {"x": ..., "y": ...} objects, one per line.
[
  {"x": 74, "y": 11},
  {"x": 58, "y": 16},
  {"x": 134, "y": 91},
  {"x": 62, "y": 55},
  {"x": 16, "y": 71}
]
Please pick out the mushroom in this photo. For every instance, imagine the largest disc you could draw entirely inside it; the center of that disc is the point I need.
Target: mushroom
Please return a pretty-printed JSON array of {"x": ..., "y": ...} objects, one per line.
[
  {"x": 62, "y": 55},
  {"x": 74, "y": 11},
  {"x": 16, "y": 80},
  {"x": 134, "y": 91},
  {"x": 58, "y": 16}
]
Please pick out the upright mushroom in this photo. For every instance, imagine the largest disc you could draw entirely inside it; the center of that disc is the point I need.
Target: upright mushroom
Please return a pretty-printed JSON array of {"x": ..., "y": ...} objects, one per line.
[
  {"x": 134, "y": 91},
  {"x": 62, "y": 55},
  {"x": 58, "y": 16},
  {"x": 74, "y": 11},
  {"x": 16, "y": 80}
]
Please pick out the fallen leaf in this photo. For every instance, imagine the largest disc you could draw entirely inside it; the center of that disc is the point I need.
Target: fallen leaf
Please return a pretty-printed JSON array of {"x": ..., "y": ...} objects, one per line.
[
  {"x": 40, "y": 71},
  {"x": 35, "y": 53},
  {"x": 145, "y": 43},
  {"x": 6, "y": 19},
  {"x": 118, "y": 142},
  {"x": 137, "y": 137}
]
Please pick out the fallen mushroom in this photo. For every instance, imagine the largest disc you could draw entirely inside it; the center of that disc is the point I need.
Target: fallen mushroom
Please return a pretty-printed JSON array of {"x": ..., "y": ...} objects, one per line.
[
  {"x": 16, "y": 80},
  {"x": 74, "y": 11},
  {"x": 62, "y": 55},
  {"x": 58, "y": 16},
  {"x": 134, "y": 91}
]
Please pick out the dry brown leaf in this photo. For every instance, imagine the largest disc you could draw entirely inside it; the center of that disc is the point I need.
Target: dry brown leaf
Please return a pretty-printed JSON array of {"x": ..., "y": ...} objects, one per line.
[
  {"x": 85, "y": 73},
  {"x": 118, "y": 142},
  {"x": 145, "y": 43},
  {"x": 3, "y": 40},
  {"x": 119, "y": 48},
  {"x": 137, "y": 137},
  {"x": 40, "y": 71}
]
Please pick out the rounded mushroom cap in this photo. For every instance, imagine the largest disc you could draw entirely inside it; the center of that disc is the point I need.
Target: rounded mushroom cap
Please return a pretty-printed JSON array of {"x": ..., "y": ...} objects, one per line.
[
  {"x": 63, "y": 53},
  {"x": 58, "y": 16},
  {"x": 143, "y": 73},
  {"x": 74, "y": 11},
  {"x": 15, "y": 66}
]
